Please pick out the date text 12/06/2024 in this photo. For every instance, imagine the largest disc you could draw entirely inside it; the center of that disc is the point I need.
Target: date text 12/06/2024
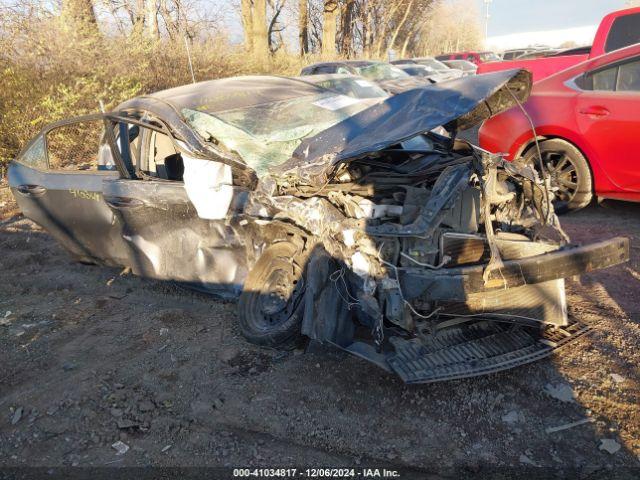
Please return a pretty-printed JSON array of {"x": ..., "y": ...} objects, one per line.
[{"x": 315, "y": 473}]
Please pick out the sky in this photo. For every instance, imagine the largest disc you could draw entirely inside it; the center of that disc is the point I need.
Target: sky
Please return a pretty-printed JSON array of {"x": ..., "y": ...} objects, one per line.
[{"x": 520, "y": 23}]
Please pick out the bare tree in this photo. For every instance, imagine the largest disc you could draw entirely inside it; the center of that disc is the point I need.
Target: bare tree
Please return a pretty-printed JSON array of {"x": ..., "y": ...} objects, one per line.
[
  {"x": 254, "y": 22},
  {"x": 303, "y": 27},
  {"x": 329, "y": 26},
  {"x": 80, "y": 14}
]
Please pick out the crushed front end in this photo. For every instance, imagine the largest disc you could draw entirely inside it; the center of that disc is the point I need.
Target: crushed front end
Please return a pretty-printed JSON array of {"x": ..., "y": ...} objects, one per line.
[{"x": 436, "y": 261}]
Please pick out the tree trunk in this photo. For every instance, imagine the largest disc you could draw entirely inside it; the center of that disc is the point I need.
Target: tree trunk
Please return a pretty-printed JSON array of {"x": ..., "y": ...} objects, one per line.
[
  {"x": 247, "y": 23},
  {"x": 80, "y": 15},
  {"x": 346, "y": 31},
  {"x": 260, "y": 30},
  {"x": 392, "y": 42},
  {"x": 303, "y": 27},
  {"x": 151, "y": 15},
  {"x": 329, "y": 26}
]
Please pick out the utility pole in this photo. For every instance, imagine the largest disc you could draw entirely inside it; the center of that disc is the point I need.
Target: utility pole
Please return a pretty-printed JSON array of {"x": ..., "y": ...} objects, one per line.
[{"x": 486, "y": 20}]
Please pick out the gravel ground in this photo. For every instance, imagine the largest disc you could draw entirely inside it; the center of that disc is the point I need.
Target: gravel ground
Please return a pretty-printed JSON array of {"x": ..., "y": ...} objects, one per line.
[{"x": 90, "y": 356}]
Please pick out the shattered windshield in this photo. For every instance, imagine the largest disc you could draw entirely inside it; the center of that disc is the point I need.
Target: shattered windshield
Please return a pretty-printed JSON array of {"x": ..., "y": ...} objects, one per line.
[
  {"x": 381, "y": 71},
  {"x": 266, "y": 135}
]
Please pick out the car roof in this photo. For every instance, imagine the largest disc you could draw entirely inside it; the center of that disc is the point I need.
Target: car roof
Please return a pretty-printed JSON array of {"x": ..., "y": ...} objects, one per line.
[
  {"x": 234, "y": 92},
  {"x": 353, "y": 63},
  {"x": 326, "y": 76}
]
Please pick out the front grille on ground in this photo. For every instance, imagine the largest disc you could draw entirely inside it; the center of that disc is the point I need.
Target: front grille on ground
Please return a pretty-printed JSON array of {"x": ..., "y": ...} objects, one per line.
[{"x": 477, "y": 349}]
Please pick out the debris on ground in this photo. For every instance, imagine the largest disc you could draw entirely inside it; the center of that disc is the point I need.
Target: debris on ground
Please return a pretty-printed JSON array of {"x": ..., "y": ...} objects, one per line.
[
  {"x": 560, "y": 391},
  {"x": 120, "y": 447},
  {"x": 527, "y": 461},
  {"x": 511, "y": 417},
  {"x": 609, "y": 445},
  {"x": 617, "y": 378},
  {"x": 166, "y": 448},
  {"x": 17, "y": 415},
  {"x": 567, "y": 426}
]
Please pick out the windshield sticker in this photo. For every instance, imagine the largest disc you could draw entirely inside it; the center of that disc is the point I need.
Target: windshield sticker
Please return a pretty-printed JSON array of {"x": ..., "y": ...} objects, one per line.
[{"x": 336, "y": 103}]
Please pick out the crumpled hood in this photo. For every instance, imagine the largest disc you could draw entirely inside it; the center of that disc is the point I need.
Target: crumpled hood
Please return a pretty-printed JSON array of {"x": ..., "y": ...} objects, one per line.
[{"x": 457, "y": 104}]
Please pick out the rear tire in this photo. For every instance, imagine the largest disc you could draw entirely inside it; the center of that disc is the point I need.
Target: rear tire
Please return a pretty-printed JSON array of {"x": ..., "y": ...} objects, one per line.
[
  {"x": 270, "y": 308},
  {"x": 569, "y": 172}
]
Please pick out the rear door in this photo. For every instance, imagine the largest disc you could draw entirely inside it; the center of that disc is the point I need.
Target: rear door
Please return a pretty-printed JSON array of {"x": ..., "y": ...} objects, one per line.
[
  {"x": 57, "y": 182},
  {"x": 607, "y": 116}
]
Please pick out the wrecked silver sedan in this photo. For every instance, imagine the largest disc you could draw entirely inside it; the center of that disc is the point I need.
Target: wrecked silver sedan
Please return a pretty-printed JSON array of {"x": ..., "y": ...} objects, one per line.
[{"x": 348, "y": 221}]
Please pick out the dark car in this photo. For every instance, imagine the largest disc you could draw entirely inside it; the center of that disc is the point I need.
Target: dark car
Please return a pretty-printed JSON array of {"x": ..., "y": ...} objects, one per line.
[
  {"x": 344, "y": 220},
  {"x": 390, "y": 78},
  {"x": 444, "y": 71},
  {"x": 350, "y": 85},
  {"x": 416, "y": 70}
]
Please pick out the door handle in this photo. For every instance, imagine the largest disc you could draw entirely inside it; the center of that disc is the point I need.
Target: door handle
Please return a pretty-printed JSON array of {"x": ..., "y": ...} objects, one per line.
[
  {"x": 29, "y": 190},
  {"x": 122, "y": 203},
  {"x": 595, "y": 111}
]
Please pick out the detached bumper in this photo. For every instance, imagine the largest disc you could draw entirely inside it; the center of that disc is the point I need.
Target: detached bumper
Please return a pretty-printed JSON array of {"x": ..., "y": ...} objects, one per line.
[
  {"x": 491, "y": 328},
  {"x": 456, "y": 284}
]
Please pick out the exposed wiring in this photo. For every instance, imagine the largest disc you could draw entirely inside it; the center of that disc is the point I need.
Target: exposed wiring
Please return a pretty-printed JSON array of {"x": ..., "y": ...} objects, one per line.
[
  {"x": 395, "y": 270},
  {"x": 350, "y": 300},
  {"x": 444, "y": 261},
  {"x": 540, "y": 164}
]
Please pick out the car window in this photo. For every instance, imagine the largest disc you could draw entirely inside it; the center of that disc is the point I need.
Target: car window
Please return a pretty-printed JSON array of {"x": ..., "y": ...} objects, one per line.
[
  {"x": 381, "y": 72},
  {"x": 353, "y": 87},
  {"x": 161, "y": 160},
  {"x": 629, "y": 77},
  {"x": 624, "y": 31},
  {"x": 605, "y": 79},
  {"x": 35, "y": 156},
  {"x": 75, "y": 146}
]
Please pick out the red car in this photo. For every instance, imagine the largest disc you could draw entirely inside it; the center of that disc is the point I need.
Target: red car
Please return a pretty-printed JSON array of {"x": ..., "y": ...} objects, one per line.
[
  {"x": 473, "y": 57},
  {"x": 587, "y": 120}
]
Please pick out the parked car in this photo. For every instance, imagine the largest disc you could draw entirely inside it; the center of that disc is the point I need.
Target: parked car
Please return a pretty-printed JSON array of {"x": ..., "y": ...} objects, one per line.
[
  {"x": 540, "y": 54},
  {"x": 350, "y": 85},
  {"x": 617, "y": 30},
  {"x": 516, "y": 53},
  {"x": 344, "y": 220},
  {"x": 389, "y": 77},
  {"x": 445, "y": 72},
  {"x": 416, "y": 70},
  {"x": 473, "y": 57},
  {"x": 466, "y": 67},
  {"x": 587, "y": 123}
]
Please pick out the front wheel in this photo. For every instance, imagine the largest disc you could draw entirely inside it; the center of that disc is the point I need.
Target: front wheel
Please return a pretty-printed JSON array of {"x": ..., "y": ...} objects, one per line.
[
  {"x": 569, "y": 173},
  {"x": 271, "y": 304}
]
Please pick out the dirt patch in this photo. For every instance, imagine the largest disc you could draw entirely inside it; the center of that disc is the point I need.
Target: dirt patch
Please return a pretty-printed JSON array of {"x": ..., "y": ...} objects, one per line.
[{"x": 90, "y": 357}]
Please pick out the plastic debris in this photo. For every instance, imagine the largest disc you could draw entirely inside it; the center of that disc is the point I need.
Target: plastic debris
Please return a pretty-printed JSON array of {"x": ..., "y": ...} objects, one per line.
[
  {"x": 609, "y": 445},
  {"x": 17, "y": 415},
  {"x": 617, "y": 378},
  {"x": 562, "y": 392},
  {"x": 120, "y": 447},
  {"x": 166, "y": 448},
  {"x": 527, "y": 461},
  {"x": 511, "y": 417},
  {"x": 567, "y": 426}
]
